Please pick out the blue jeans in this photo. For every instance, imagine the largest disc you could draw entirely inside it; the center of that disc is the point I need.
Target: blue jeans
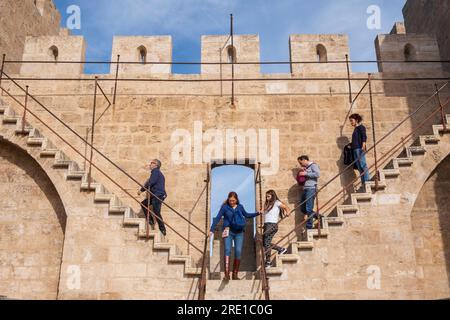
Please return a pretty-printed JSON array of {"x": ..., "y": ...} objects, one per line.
[
  {"x": 361, "y": 165},
  {"x": 307, "y": 207},
  {"x": 238, "y": 239}
]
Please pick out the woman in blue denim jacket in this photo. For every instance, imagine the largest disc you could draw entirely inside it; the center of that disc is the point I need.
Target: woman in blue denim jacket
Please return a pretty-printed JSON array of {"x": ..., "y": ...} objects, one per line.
[{"x": 229, "y": 209}]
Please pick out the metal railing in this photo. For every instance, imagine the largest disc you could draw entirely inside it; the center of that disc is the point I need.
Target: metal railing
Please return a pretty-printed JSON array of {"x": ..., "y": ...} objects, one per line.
[
  {"x": 204, "y": 272},
  {"x": 259, "y": 240},
  {"x": 374, "y": 168},
  {"x": 232, "y": 64},
  {"x": 89, "y": 160}
]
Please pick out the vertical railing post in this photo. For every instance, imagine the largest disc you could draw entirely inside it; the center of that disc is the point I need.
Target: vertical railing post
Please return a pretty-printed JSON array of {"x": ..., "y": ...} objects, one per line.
[
  {"x": 319, "y": 227},
  {"x": 259, "y": 237},
  {"x": 85, "y": 148},
  {"x": 92, "y": 133},
  {"x": 349, "y": 80},
  {"x": 1, "y": 71},
  {"x": 203, "y": 276},
  {"x": 147, "y": 217},
  {"x": 232, "y": 59},
  {"x": 373, "y": 133},
  {"x": 25, "y": 109},
  {"x": 221, "y": 72},
  {"x": 438, "y": 98},
  {"x": 116, "y": 80}
]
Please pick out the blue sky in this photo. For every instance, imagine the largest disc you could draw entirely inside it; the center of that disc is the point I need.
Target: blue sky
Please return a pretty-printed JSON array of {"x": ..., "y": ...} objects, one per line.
[
  {"x": 187, "y": 20},
  {"x": 239, "y": 179}
]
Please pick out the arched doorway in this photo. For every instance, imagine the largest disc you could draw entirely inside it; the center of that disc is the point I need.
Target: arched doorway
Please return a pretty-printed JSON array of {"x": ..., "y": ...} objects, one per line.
[
  {"x": 239, "y": 178},
  {"x": 430, "y": 219},
  {"x": 32, "y": 227}
]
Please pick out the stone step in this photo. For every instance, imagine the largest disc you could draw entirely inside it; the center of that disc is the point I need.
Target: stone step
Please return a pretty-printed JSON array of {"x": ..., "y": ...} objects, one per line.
[
  {"x": 356, "y": 197},
  {"x": 393, "y": 173},
  {"x": 417, "y": 149},
  {"x": 305, "y": 245},
  {"x": 403, "y": 161},
  {"x": 348, "y": 208},
  {"x": 428, "y": 139},
  {"x": 233, "y": 289}
]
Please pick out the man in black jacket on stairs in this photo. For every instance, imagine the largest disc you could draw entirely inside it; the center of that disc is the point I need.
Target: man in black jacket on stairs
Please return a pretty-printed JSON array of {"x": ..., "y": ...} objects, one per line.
[{"x": 156, "y": 185}]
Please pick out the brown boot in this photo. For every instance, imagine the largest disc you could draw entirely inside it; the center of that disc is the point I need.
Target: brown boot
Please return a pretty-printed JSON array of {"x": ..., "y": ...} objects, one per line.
[
  {"x": 237, "y": 262},
  {"x": 227, "y": 269}
]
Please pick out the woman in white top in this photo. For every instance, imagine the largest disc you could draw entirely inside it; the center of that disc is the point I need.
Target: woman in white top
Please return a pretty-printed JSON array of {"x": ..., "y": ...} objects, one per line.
[{"x": 273, "y": 211}]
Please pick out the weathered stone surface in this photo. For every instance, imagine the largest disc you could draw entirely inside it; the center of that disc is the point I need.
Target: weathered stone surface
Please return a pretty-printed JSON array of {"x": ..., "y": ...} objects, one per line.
[{"x": 380, "y": 252}]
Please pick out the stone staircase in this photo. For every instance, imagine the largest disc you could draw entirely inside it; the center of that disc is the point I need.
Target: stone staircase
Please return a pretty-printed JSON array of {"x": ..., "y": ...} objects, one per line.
[
  {"x": 12, "y": 125},
  {"x": 337, "y": 217},
  {"x": 243, "y": 289}
]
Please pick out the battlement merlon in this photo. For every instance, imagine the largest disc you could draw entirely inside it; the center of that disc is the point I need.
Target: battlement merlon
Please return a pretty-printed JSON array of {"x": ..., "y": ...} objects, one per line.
[
  {"x": 318, "y": 47},
  {"x": 142, "y": 49},
  {"x": 217, "y": 48},
  {"x": 402, "y": 47},
  {"x": 53, "y": 48}
]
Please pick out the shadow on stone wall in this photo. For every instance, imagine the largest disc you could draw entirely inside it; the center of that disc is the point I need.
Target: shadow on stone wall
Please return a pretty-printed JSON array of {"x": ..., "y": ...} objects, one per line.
[{"x": 442, "y": 192}]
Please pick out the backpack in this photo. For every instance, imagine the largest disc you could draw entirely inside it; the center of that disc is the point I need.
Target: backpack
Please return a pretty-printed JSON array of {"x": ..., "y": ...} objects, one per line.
[
  {"x": 238, "y": 221},
  {"x": 301, "y": 179},
  {"x": 348, "y": 154}
]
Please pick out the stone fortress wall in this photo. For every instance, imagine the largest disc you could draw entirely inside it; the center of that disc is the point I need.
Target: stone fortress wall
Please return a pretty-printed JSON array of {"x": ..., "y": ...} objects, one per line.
[{"x": 308, "y": 116}]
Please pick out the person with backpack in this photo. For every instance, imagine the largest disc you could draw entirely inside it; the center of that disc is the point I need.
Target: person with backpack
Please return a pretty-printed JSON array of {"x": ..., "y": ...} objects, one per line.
[
  {"x": 274, "y": 209},
  {"x": 308, "y": 177},
  {"x": 234, "y": 221},
  {"x": 359, "y": 147}
]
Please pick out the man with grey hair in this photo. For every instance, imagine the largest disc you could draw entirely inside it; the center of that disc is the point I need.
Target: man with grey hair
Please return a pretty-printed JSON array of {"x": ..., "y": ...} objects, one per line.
[{"x": 156, "y": 185}]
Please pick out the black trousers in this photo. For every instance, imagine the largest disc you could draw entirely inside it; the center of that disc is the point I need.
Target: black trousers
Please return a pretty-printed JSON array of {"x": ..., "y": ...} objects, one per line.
[
  {"x": 156, "y": 206},
  {"x": 270, "y": 229}
]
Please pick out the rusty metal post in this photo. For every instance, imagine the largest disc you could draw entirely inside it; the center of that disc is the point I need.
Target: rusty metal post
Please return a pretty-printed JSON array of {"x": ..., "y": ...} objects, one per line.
[
  {"x": 319, "y": 227},
  {"x": 232, "y": 59},
  {"x": 25, "y": 109},
  {"x": 1, "y": 71},
  {"x": 259, "y": 241},
  {"x": 85, "y": 148},
  {"x": 203, "y": 277},
  {"x": 221, "y": 75},
  {"x": 116, "y": 79},
  {"x": 147, "y": 217},
  {"x": 92, "y": 133},
  {"x": 373, "y": 133},
  {"x": 438, "y": 98},
  {"x": 349, "y": 80}
]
